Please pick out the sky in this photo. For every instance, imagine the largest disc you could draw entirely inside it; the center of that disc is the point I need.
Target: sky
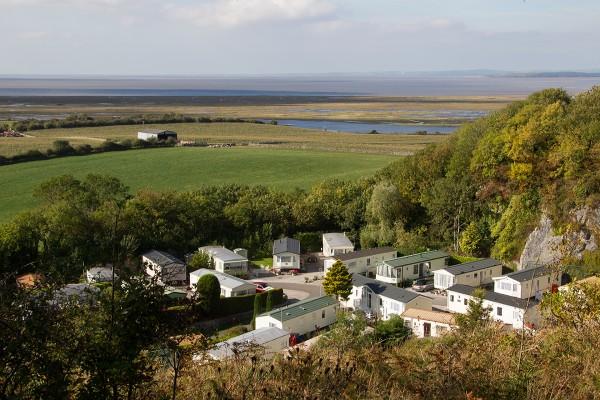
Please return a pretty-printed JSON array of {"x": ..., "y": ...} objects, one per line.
[{"x": 206, "y": 37}]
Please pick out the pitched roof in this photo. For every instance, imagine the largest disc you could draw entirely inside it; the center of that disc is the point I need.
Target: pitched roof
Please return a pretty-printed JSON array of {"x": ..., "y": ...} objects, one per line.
[
  {"x": 286, "y": 245},
  {"x": 225, "y": 280},
  {"x": 472, "y": 266},
  {"x": 161, "y": 258},
  {"x": 526, "y": 274},
  {"x": 428, "y": 315},
  {"x": 259, "y": 337},
  {"x": 337, "y": 240},
  {"x": 384, "y": 289},
  {"x": 155, "y": 131},
  {"x": 416, "y": 258},
  {"x": 364, "y": 253},
  {"x": 222, "y": 253},
  {"x": 495, "y": 297},
  {"x": 301, "y": 308}
]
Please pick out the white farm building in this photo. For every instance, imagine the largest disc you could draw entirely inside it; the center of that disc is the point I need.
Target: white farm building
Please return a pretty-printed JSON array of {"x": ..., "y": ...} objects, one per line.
[{"x": 156, "y": 134}]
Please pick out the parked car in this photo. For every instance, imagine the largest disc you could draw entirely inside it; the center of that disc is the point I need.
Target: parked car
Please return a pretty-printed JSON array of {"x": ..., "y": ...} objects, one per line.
[
  {"x": 423, "y": 285},
  {"x": 260, "y": 286}
]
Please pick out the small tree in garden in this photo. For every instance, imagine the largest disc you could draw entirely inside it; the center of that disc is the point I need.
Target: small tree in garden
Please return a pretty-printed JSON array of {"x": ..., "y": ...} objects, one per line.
[
  {"x": 208, "y": 289},
  {"x": 338, "y": 281},
  {"x": 476, "y": 314}
]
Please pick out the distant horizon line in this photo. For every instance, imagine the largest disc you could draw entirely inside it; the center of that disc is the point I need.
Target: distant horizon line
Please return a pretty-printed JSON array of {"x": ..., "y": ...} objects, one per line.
[{"x": 562, "y": 73}]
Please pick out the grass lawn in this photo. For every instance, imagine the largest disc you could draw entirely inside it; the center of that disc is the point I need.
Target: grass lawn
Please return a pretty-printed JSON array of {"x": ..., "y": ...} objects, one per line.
[
  {"x": 267, "y": 261},
  {"x": 188, "y": 169}
]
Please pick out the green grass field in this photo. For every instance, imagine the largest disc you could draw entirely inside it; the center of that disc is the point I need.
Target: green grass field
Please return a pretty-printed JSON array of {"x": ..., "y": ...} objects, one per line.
[
  {"x": 259, "y": 135},
  {"x": 188, "y": 169}
]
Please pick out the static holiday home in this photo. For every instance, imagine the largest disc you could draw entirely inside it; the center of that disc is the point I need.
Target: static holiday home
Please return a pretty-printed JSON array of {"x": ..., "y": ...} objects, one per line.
[
  {"x": 363, "y": 261},
  {"x": 409, "y": 268},
  {"x": 303, "y": 317},
  {"x": 512, "y": 311},
  {"x": 474, "y": 273},
  {"x": 286, "y": 254},
  {"x": 227, "y": 261},
  {"x": 382, "y": 299},
  {"x": 529, "y": 282},
  {"x": 335, "y": 244},
  {"x": 169, "y": 269},
  {"x": 268, "y": 341},
  {"x": 425, "y": 323},
  {"x": 231, "y": 286}
]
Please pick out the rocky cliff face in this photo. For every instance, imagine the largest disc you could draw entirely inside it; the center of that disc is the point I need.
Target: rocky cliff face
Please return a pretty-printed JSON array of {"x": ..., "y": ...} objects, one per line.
[{"x": 544, "y": 246}]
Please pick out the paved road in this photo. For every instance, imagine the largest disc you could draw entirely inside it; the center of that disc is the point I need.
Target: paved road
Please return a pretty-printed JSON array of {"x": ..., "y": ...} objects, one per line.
[{"x": 298, "y": 291}]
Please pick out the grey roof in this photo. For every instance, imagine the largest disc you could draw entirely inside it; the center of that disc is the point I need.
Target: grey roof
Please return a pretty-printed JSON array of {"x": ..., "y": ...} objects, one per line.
[
  {"x": 337, "y": 240},
  {"x": 161, "y": 258},
  {"x": 222, "y": 253},
  {"x": 225, "y": 280},
  {"x": 364, "y": 253},
  {"x": 472, "y": 266},
  {"x": 155, "y": 131},
  {"x": 416, "y": 258},
  {"x": 259, "y": 337},
  {"x": 301, "y": 308},
  {"x": 496, "y": 297},
  {"x": 286, "y": 245},
  {"x": 527, "y": 274},
  {"x": 384, "y": 289}
]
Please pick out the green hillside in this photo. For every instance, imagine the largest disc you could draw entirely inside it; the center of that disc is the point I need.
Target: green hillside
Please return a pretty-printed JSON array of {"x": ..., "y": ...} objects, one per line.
[{"x": 187, "y": 169}]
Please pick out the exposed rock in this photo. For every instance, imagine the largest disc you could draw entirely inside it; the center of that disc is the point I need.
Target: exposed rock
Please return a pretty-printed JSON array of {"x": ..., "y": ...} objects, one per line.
[{"x": 544, "y": 246}]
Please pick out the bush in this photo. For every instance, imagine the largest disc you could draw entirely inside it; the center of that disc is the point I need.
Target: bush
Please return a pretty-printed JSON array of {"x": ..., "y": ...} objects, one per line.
[
  {"x": 209, "y": 291},
  {"x": 309, "y": 241},
  {"x": 241, "y": 304}
]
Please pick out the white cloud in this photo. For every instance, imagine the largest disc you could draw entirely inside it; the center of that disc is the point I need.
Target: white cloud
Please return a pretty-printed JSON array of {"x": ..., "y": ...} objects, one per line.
[{"x": 232, "y": 13}]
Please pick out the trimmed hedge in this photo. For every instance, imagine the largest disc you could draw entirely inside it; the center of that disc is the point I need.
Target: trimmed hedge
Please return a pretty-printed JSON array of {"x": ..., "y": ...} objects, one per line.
[{"x": 240, "y": 304}]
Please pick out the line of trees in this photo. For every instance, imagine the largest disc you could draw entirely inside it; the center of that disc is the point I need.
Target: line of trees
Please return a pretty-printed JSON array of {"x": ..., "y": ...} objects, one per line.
[
  {"x": 81, "y": 222},
  {"x": 63, "y": 148},
  {"x": 84, "y": 121}
]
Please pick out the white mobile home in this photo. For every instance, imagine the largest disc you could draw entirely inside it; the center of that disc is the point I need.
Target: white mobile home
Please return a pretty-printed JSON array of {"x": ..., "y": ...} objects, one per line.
[
  {"x": 530, "y": 282},
  {"x": 99, "y": 274},
  {"x": 408, "y": 268},
  {"x": 286, "y": 254},
  {"x": 268, "y": 341},
  {"x": 336, "y": 243},
  {"x": 383, "y": 300},
  {"x": 474, "y": 273},
  {"x": 303, "y": 317},
  {"x": 168, "y": 269},
  {"x": 424, "y": 323},
  {"x": 227, "y": 261},
  {"x": 231, "y": 286},
  {"x": 508, "y": 310},
  {"x": 363, "y": 261}
]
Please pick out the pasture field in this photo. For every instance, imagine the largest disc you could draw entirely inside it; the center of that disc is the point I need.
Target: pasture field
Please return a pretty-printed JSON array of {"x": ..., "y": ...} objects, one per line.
[
  {"x": 262, "y": 135},
  {"x": 188, "y": 168},
  {"x": 431, "y": 110}
]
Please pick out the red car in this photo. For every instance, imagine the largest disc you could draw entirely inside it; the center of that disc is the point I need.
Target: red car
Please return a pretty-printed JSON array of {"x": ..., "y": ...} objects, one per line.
[{"x": 260, "y": 286}]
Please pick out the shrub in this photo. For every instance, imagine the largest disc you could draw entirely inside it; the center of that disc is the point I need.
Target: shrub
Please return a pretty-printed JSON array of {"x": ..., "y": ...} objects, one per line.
[{"x": 209, "y": 291}]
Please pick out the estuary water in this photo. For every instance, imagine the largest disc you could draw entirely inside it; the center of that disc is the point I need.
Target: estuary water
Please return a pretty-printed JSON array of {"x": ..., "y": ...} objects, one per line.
[{"x": 367, "y": 127}]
